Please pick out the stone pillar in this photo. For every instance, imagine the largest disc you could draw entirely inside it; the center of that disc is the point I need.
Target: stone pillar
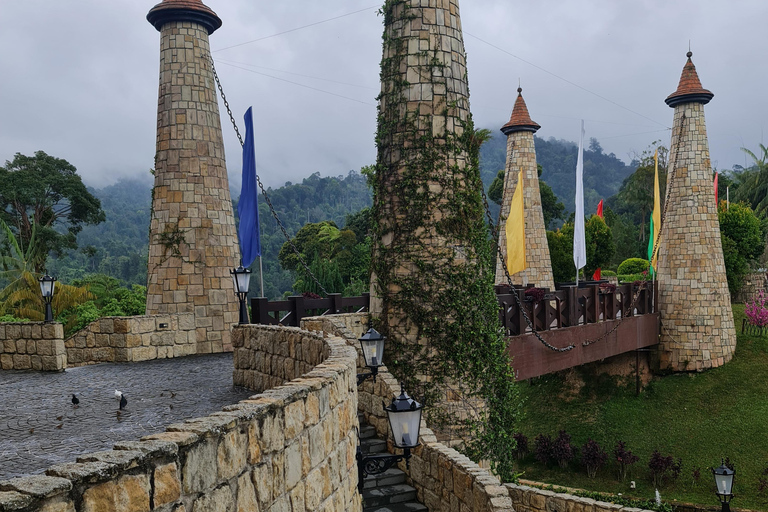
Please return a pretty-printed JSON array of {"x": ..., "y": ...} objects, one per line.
[
  {"x": 697, "y": 321},
  {"x": 425, "y": 38},
  {"x": 193, "y": 243},
  {"x": 521, "y": 154}
]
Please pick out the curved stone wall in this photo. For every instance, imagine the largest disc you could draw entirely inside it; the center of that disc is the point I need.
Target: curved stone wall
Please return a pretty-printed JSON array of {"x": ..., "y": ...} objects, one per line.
[{"x": 290, "y": 448}]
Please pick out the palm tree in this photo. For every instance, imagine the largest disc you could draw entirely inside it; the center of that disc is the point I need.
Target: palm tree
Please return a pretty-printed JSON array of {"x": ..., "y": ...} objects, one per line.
[
  {"x": 21, "y": 295},
  {"x": 754, "y": 184}
]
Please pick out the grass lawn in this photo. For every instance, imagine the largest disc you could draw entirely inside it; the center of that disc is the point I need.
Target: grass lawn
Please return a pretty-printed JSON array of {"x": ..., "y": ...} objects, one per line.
[{"x": 699, "y": 418}]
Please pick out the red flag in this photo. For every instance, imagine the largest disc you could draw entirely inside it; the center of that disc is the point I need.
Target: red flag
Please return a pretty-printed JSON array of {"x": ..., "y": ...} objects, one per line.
[
  {"x": 596, "y": 276},
  {"x": 715, "y": 190}
]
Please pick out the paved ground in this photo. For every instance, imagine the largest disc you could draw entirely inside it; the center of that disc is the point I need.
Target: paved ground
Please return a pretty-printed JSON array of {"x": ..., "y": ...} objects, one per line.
[{"x": 39, "y": 426}]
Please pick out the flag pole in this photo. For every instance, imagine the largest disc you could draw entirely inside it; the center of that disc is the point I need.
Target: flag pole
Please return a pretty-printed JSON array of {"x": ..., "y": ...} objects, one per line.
[{"x": 261, "y": 275}]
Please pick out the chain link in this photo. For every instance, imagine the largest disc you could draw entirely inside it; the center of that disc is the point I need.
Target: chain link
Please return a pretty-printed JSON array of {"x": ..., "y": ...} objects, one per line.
[{"x": 261, "y": 186}]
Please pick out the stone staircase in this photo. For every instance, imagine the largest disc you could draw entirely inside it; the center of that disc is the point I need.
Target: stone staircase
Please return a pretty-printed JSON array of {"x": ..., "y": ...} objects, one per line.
[{"x": 388, "y": 491}]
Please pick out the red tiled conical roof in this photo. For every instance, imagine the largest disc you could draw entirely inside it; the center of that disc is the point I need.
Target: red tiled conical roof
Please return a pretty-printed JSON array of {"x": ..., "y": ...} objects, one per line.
[
  {"x": 690, "y": 89},
  {"x": 184, "y": 10},
  {"x": 520, "y": 119}
]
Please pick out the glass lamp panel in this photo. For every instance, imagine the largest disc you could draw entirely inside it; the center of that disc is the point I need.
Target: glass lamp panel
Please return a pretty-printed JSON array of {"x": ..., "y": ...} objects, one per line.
[
  {"x": 405, "y": 427},
  {"x": 243, "y": 281},
  {"x": 373, "y": 351},
  {"x": 724, "y": 483},
  {"x": 46, "y": 286}
]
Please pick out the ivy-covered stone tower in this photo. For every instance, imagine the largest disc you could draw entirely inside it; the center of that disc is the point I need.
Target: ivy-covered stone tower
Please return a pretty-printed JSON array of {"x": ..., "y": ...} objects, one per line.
[
  {"x": 521, "y": 154},
  {"x": 432, "y": 260},
  {"x": 697, "y": 323},
  {"x": 193, "y": 243}
]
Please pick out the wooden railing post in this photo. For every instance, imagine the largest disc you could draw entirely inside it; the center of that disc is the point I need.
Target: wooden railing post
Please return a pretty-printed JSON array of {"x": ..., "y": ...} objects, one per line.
[
  {"x": 297, "y": 309},
  {"x": 336, "y": 303},
  {"x": 260, "y": 311}
]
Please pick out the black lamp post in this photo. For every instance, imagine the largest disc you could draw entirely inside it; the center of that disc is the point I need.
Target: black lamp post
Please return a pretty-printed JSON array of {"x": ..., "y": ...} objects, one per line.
[
  {"x": 242, "y": 278},
  {"x": 405, "y": 422},
  {"x": 47, "y": 284},
  {"x": 724, "y": 484},
  {"x": 372, "y": 343}
]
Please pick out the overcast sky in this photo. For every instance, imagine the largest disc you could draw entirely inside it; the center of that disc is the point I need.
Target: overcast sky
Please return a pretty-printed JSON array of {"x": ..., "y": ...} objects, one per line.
[{"x": 80, "y": 77}]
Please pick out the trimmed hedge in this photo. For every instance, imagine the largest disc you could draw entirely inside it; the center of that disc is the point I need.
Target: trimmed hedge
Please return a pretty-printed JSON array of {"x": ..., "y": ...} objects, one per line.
[{"x": 633, "y": 266}]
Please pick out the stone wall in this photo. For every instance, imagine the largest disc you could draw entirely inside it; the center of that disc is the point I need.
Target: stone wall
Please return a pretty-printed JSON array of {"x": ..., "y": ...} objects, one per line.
[
  {"x": 291, "y": 448},
  {"x": 32, "y": 346},
  {"x": 446, "y": 481},
  {"x": 531, "y": 499},
  {"x": 273, "y": 355},
  {"x": 133, "y": 338}
]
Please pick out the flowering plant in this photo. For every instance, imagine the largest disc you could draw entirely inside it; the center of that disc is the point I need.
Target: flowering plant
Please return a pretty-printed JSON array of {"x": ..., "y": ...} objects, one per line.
[
  {"x": 537, "y": 294},
  {"x": 756, "y": 311}
]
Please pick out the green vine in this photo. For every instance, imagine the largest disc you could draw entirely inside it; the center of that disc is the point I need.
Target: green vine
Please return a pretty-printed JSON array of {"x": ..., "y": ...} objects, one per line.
[
  {"x": 172, "y": 239},
  {"x": 433, "y": 257}
]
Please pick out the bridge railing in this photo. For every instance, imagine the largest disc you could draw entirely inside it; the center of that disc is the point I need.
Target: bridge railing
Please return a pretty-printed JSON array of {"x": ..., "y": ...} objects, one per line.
[
  {"x": 566, "y": 307},
  {"x": 290, "y": 312},
  {"x": 570, "y": 306}
]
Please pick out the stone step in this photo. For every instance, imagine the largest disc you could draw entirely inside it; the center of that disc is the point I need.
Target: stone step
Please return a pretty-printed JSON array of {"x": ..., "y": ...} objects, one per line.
[
  {"x": 411, "y": 506},
  {"x": 391, "y": 476},
  {"x": 367, "y": 432},
  {"x": 388, "y": 495},
  {"x": 373, "y": 445}
]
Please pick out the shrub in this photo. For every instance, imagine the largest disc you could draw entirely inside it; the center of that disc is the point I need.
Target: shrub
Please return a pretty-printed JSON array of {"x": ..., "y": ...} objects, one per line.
[
  {"x": 522, "y": 445},
  {"x": 663, "y": 468},
  {"x": 624, "y": 458},
  {"x": 756, "y": 311},
  {"x": 632, "y": 266},
  {"x": 608, "y": 273},
  {"x": 762, "y": 480},
  {"x": 537, "y": 294},
  {"x": 11, "y": 318},
  {"x": 543, "y": 448},
  {"x": 608, "y": 287},
  {"x": 562, "y": 449},
  {"x": 631, "y": 278},
  {"x": 593, "y": 457}
]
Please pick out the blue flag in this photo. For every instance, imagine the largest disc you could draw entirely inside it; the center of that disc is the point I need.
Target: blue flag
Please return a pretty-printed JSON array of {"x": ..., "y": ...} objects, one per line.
[{"x": 248, "y": 206}]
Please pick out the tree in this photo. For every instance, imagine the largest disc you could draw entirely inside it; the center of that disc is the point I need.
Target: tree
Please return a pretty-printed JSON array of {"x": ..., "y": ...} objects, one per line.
[
  {"x": 743, "y": 241},
  {"x": 753, "y": 188},
  {"x": 46, "y": 192},
  {"x": 635, "y": 196},
  {"x": 550, "y": 206},
  {"x": 21, "y": 295},
  {"x": 600, "y": 249}
]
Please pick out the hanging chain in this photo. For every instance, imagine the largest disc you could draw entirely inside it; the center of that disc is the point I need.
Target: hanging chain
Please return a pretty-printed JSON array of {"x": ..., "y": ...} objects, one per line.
[
  {"x": 520, "y": 306},
  {"x": 261, "y": 186}
]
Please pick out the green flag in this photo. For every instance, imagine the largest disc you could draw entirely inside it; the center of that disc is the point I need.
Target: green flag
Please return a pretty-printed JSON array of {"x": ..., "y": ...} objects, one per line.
[{"x": 650, "y": 249}]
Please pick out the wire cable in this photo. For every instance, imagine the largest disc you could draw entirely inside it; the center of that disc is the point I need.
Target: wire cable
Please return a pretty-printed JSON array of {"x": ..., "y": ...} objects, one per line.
[
  {"x": 297, "y": 28},
  {"x": 565, "y": 80},
  {"x": 300, "y": 85},
  {"x": 233, "y": 63}
]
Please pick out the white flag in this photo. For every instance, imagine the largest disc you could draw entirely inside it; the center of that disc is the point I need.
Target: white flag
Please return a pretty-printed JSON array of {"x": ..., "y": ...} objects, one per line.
[{"x": 579, "y": 237}]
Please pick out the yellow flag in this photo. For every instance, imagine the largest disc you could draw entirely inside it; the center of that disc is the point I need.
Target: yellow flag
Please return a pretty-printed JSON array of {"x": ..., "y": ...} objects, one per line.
[
  {"x": 515, "y": 230},
  {"x": 656, "y": 215}
]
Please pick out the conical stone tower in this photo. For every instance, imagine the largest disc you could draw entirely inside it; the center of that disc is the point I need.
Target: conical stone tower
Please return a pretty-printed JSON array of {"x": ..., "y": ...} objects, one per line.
[
  {"x": 521, "y": 154},
  {"x": 193, "y": 243},
  {"x": 697, "y": 322}
]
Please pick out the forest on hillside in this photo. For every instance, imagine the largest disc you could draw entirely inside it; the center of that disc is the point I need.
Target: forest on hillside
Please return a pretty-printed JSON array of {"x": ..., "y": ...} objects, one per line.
[{"x": 118, "y": 246}]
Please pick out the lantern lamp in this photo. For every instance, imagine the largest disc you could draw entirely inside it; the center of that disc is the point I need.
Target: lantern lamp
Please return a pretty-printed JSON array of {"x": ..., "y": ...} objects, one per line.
[
  {"x": 242, "y": 279},
  {"x": 47, "y": 285},
  {"x": 724, "y": 484},
  {"x": 372, "y": 343}
]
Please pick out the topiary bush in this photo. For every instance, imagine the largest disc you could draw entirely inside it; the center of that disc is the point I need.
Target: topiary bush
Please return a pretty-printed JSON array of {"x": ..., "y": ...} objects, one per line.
[{"x": 632, "y": 266}]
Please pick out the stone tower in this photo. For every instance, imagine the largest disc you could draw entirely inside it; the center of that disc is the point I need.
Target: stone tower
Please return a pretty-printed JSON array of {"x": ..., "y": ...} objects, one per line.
[
  {"x": 697, "y": 323},
  {"x": 424, "y": 92},
  {"x": 521, "y": 154},
  {"x": 193, "y": 243}
]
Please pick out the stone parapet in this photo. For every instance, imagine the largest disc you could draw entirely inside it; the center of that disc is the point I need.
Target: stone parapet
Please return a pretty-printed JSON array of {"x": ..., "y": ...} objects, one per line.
[
  {"x": 531, "y": 499},
  {"x": 133, "y": 338},
  {"x": 32, "y": 346},
  {"x": 291, "y": 448},
  {"x": 445, "y": 480}
]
